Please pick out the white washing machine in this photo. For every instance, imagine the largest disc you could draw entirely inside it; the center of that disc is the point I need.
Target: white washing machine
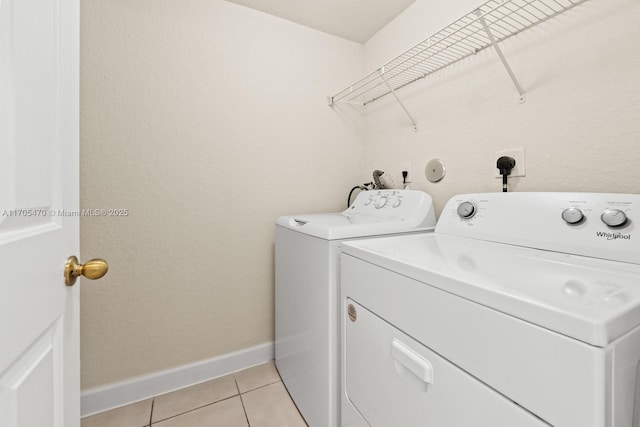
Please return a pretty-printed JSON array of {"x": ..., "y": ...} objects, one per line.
[
  {"x": 521, "y": 309},
  {"x": 307, "y": 293}
]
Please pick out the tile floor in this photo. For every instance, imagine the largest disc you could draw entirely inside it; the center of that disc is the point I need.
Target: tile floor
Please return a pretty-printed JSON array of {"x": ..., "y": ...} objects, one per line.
[{"x": 254, "y": 397}]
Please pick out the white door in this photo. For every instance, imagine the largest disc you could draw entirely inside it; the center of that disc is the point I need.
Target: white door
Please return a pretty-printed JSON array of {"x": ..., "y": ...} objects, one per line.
[{"x": 39, "y": 315}]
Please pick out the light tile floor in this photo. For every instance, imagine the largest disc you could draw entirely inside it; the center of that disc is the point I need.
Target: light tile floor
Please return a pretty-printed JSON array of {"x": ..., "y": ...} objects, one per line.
[{"x": 254, "y": 397}]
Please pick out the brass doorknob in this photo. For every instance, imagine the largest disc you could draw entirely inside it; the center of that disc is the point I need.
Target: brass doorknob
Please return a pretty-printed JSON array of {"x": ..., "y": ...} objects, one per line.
[{"x": 92, "y": 269}]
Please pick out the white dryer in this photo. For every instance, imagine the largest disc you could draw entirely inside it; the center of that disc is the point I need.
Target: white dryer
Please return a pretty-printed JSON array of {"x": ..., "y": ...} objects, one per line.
[
  {"x": 307, "y": 254},
  {"x": 521, "y": 309}
]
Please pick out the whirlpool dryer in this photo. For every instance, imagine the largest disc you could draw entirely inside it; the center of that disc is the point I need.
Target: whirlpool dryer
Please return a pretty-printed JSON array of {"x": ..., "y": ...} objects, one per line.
[
  {"x": 307, "y": 294},
  {"x": 521, "y": 309}
]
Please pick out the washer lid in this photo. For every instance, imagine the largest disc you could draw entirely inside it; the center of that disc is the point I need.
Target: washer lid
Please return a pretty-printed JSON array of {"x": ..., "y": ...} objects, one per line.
[
  {"x": 373, "y": 213},
  {"x": 589, "y": 299},
  {"x": 337, "y": 226}
]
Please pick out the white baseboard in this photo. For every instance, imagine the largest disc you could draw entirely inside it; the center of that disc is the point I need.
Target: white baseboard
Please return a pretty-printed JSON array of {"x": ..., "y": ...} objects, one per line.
[{"x": 114, "y": 395}]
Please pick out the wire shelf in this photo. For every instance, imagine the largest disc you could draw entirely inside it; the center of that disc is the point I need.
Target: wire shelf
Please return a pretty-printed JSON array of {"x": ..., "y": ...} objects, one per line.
[{"x": 492, "y": 22}]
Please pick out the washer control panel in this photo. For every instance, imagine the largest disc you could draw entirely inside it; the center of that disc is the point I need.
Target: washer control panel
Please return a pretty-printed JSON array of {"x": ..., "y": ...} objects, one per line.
[
  {"x": 601, "y": 225},
  {"x": 381, "y": 199},
  {"x": 412, "y": 208},
  {"x": 386, "y": 203}
]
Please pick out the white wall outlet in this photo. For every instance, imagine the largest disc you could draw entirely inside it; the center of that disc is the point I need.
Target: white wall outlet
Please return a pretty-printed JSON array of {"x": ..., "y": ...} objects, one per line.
[
  {"x": 406, "y": 167},
  {"x": 518, "y": 155}
]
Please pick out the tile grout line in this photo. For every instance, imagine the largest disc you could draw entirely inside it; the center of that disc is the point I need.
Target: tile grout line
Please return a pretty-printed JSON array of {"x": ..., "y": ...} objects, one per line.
[
  {"x": 239, "y": 394},
  {"x": 259, "y": 387},
  {"x": 195, "y": 409},
  {"x": 151, "y": 414},
  {"x": 242, "y": 402}
]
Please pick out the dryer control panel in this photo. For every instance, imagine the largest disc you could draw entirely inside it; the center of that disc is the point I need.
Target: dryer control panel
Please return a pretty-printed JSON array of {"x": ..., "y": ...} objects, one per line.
[{"x": 601, "y": 225}]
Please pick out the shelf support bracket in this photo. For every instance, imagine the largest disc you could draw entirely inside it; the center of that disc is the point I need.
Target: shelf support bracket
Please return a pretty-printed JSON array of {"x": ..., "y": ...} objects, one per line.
[
  {"x": 494, "y": 43},
  {"x": 393, "y": 92}
]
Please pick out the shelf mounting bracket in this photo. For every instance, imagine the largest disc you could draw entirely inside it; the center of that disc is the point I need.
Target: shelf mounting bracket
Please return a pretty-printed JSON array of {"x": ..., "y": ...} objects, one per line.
[
  {"x": 494, "y": 43},
  {"x": 393, "y": 92}
]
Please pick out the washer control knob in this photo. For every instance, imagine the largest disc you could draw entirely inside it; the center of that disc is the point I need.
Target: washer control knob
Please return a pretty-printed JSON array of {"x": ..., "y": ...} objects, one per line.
[
  {"x": 614, "y": 217},
  {"x": 368, "y": 202},
  {"x": 381, "y": 202},
  {"x": 466, "y": 210},
  {"x": 397, "y": 203},
  {"x": 572, "y": 215}
]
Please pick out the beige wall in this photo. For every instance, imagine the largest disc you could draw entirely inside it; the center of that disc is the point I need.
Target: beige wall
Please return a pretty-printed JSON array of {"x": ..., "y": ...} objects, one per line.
[
  {"x": 580, "y": 125},
  {"x": 206, "y": 120}
]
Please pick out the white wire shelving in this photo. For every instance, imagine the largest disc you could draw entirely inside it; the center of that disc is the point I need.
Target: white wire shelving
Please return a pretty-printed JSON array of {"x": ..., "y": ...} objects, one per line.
[{"x": 486, "y": 26}]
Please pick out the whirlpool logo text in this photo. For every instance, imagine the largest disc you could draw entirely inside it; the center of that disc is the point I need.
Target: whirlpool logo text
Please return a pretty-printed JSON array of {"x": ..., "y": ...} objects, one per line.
[{"x": 613, "y": 236}]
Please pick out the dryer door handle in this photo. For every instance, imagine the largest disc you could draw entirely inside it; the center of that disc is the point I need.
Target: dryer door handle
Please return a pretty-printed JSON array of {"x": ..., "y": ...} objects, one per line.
[{"x": 411, "y": 360}]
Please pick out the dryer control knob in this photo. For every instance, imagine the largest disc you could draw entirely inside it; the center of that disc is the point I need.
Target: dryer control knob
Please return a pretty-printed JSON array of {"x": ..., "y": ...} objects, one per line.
[
  {"x": 381, "y": 202},
  {"x": 466, "y": 210},
  {"x": 397, "y": 203},
  {"x": 572, "y": 215},
  {"x": 614, "y": 217}
]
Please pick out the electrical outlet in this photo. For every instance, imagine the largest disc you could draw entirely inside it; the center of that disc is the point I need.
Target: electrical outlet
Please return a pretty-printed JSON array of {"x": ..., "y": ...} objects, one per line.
[
  {"x": 518, "y": 155},
  {"x": 406, "y": 167}
]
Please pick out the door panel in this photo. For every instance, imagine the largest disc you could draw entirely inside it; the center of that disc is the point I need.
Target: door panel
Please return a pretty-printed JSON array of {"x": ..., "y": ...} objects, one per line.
[
  {"x": 31, "y": 382},
  {"x": 39, "y": 325}
]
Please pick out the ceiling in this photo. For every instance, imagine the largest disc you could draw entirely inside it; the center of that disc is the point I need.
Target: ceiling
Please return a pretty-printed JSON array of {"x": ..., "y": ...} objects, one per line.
[{"x": 355, "y": 20}]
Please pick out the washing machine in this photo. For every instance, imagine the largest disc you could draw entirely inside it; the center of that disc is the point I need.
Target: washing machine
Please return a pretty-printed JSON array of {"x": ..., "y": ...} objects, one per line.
[
  {"x": 307, "y": 253},
  {"x": 521, "y": 309}
]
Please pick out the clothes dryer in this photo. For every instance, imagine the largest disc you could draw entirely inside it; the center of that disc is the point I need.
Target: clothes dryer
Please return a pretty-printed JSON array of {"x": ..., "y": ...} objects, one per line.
[{"x": 521, "y": 309}]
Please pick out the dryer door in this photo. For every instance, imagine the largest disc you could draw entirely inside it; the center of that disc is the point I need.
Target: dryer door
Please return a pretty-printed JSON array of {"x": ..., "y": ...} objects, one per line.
[{"x": 391, "y": 379}]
